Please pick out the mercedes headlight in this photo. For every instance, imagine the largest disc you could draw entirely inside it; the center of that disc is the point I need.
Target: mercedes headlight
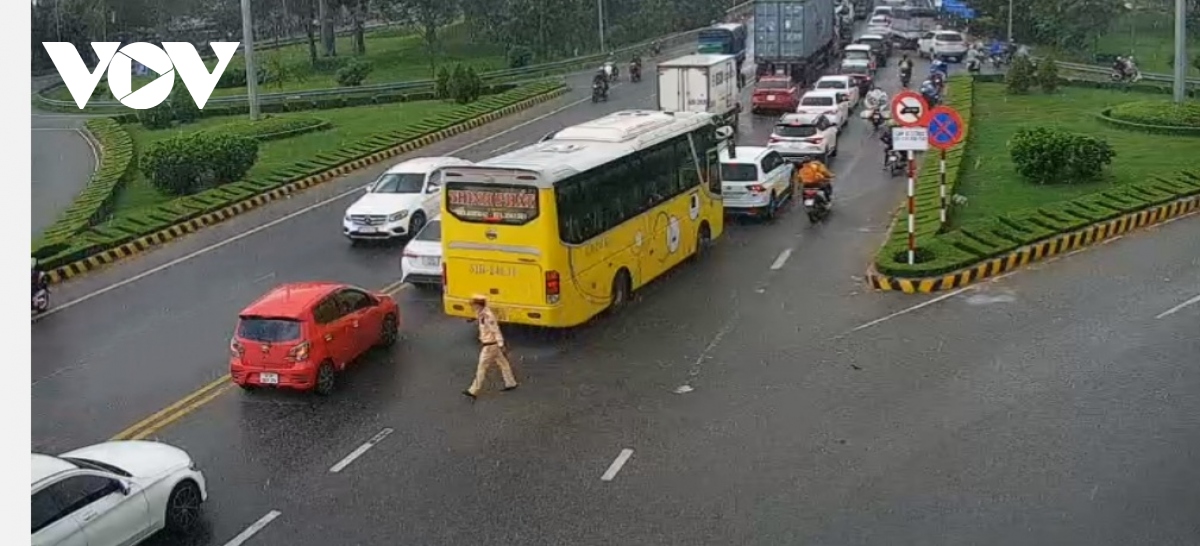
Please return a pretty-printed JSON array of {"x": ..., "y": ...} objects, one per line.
[{"x": 398, "y": 216}]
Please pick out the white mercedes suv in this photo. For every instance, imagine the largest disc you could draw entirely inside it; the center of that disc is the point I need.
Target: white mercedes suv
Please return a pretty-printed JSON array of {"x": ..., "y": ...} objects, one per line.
[{"x": 401, "y": 202}]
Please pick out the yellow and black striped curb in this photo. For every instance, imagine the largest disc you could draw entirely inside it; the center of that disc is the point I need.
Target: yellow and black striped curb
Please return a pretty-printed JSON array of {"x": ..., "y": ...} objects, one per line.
[
  {"x": 1025, "y": 255},
  {"x": 149, "y": 242}
]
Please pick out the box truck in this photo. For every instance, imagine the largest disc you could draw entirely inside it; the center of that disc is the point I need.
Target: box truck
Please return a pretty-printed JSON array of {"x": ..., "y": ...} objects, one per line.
[{"x": 700, "y": 83}]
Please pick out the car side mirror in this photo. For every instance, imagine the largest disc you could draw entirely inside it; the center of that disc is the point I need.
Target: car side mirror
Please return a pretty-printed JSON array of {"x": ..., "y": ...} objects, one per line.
[
  {"x": 124, "y": 487},
  {"x": 433, "y": 188}
]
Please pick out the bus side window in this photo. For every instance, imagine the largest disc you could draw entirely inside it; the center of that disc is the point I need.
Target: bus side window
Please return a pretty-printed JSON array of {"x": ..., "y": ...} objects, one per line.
[
  {"x": 659, "y": 168},
  {"x": 713, "y": 160},
  {"x": 689, "y": 176}
]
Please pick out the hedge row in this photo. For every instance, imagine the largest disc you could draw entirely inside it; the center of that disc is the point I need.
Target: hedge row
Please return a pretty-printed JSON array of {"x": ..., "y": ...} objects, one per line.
[
  {"x": 299, "y": 104},
  {"x": 271, "y": 127},
  {"x": 940, "y": 253},
  {"x": 1107, "y": 118},
  {"x": 1159, "y": 112},
  {"x": 96, "y": 200},
  {"x": 133, "y": 226}
]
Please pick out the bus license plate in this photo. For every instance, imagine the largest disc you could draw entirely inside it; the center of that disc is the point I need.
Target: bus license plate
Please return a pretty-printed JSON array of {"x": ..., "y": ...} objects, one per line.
[{"x": 268, "y": 378}]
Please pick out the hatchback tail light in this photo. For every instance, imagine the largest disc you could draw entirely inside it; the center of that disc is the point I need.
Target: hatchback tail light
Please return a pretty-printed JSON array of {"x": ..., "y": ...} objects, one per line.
[
  {"x": 773, "y": 140},
  {"x": 236, "y": 347},
  {"x": 410, "y": 254},
  {"x": 553, "y": 286},
  {"x": 299, "y": 353},
  {"x": 815, "y": 140},
  {"x": 757, "y": 188}
]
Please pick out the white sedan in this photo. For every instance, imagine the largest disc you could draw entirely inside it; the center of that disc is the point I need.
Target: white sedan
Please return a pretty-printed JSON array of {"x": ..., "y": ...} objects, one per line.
[
  {"x": 422, "y": 261},
  {"x": 828, "y": 103},
  {"x": 841, "y": 83},
  {"x": 114, "y": 494}
]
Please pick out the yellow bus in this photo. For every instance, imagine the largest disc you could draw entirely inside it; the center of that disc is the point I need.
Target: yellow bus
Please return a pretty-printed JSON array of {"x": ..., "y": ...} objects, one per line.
[{"x": 555, "y": 233}]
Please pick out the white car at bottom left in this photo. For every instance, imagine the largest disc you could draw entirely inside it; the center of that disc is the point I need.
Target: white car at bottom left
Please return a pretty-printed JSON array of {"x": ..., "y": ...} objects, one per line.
[{"x": 114, "y": 494}]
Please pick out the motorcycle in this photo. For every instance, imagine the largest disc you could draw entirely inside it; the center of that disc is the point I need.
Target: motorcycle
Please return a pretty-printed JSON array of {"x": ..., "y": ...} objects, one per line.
[
  {"x": 875, "y": 116},
  {"x": 612, "y": 71},
  {"x": 1127, "y": 75},
  {"x": 599, "y": 93},
  {"x": 815, "y": 205},
  {"x": 905, "y": 78},
  {"x": 895, "y": 163},
  {"x": 973, "y": 66},
  {"x": 635, "y": 72},
  {"x": 41, "y": 294}
]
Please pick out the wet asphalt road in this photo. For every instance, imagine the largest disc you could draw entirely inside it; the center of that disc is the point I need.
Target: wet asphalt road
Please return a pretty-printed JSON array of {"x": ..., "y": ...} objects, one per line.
[
  {"x": 1036, "y": 409},
  {"x": 63, "y": 160}
]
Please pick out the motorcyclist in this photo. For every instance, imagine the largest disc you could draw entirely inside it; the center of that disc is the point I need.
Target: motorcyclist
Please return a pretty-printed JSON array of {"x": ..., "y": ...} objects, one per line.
[
  {"x": 635, "y": 65},
  {"x": 939, "y": 66},
  {"x": 888, "y": 144},
  {"x": 930, "y": 92},
  {"x": 814, "y": 174},
  {"x": 876, "y": 99},
  {"x": 906, "y": 64},
  {"x": 36, "y": 276},
  {"x": 600, "y": 80},
  {"x": 1119, "y": 66}
]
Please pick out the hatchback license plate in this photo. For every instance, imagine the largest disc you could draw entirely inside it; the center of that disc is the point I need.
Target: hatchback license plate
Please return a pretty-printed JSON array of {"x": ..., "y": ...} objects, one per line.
[
  {"x": 431, "y": 261},
  {"x": 268, "y": 378}
]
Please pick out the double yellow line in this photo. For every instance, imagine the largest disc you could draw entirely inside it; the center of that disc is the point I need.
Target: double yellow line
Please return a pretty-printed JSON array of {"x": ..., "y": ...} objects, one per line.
[{"x": 163, "y": 418}]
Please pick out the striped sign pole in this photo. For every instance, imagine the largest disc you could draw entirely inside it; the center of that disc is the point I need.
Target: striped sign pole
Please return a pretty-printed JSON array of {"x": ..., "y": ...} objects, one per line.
[
  {"x": 912, "y": 208},
  {"x": 942, "y": 183}
]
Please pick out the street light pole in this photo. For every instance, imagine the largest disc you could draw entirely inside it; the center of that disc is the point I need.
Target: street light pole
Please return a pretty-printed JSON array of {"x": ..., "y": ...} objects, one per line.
[
  {"x": 1181, "y": 61},
  {"x": 248, "y": 52},
  {"x": 600, "y": 19},
  {"x": 1010, "y": 20}
]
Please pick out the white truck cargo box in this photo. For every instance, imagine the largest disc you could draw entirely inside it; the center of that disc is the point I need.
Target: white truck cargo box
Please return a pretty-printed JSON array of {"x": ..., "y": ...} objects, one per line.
[{"x": 700, "y": 83}]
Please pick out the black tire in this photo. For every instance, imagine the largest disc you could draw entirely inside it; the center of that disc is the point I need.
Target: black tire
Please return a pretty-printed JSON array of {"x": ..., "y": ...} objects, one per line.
[
  {"x": 814, "y": 217},
  {"x": 416, "y": 223},
  {"x": 389, "y": 331},
  {"x": 769, "y": 213},
  {"x": 622, "y": 287},
  {"x": 326, "y": 379},
  {"x": 703, "y": 240},
  {"x": 248, "y": 387},
  {"x": 183, "y": 507},
  {"x": 834, "y": 153}
]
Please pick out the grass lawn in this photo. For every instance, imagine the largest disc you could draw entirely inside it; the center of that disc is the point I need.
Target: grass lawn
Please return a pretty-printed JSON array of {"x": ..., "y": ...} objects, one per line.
[
  {"x": 349, "y": 125},
  {"x": 989, "y": 180},
  {"x": 396, "y": 54},
  {"x": 1149, "y": 36}
]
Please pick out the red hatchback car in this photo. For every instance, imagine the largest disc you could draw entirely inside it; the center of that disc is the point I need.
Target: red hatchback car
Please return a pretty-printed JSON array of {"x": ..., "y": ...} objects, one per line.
[
  {"x": 299, "y": 336},
  {"x": 775, "y": 94}
]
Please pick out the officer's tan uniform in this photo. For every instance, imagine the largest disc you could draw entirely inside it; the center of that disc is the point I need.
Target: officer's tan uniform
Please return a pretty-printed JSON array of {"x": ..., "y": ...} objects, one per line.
[{"x": 492, "y": 352}]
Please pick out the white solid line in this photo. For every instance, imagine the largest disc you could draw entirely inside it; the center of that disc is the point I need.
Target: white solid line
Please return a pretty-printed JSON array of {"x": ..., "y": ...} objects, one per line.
[
  {"x": 504, "y": 147},
  {"x": 358, "y": 452},
  {"x": 616, "y": 465},
  {"x": 92, "y": 146},
  {"x": 1179, "y": 307},
  {"x": 253, "y": 529},
  {"x": 918, "y": 306},
  {"x": 124, "y": 282},
  {"x": 782, "y": 259}
]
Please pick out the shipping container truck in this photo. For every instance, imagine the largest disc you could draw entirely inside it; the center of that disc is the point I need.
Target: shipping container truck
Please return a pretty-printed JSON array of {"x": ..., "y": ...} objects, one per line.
[
  {"x": 794, "y": 38},
  {"x": 700, "y": 83},
  {"x": 909, "y": 23},
  {"x": 723, "y": 39}
]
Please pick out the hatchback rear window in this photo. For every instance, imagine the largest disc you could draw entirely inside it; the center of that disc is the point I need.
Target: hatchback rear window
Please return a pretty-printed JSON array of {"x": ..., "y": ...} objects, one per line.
[
  {"x": 268, "y": 329},
  {"x": 948, "y": 38},
  {"x": 831, "y": 84},
  {"x": 431, "y": 232},
  {"x": 817, "y": 101},
  {"x": 739, "y": 172},
  {"x": 796, "y": 131}
]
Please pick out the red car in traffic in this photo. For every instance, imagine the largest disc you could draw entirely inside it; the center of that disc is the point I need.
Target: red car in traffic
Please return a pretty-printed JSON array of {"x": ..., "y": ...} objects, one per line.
[
  {"x": 301, "y": 335},
  {"x": 775, "y": 94}
]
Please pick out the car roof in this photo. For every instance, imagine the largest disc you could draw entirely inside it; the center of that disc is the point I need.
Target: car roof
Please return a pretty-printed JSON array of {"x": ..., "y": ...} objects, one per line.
[
  {"x": 799, "y": 119},
  {"x": 821, "y": 93},
  {"x": 947, "y": 32},
  {"x": 840, "y": 78},
  {"x": 426, "y": 164},
  {"x": 45, "y": 466},
  {"x": 745, "y": 154},
  {"x": 858, "y": 47},
  {"x": 291, "y": 300},
  {"x": 870, "y": 36}
]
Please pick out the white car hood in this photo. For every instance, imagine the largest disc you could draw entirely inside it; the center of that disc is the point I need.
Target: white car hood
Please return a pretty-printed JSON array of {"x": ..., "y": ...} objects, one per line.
[
  {"x": 140, "y": 458},
  {"x": 385, "y": 203}
]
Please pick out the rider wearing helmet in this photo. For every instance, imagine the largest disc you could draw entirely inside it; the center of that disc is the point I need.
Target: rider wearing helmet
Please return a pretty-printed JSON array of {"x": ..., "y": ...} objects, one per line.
[
  {"x": 601, "y": 79},
  {"x": 886, "y": 139},
  {"x": 877, "y": 98}
]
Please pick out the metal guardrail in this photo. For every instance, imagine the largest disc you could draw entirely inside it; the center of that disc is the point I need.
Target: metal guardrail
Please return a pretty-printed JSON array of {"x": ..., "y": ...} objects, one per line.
[
  {"x": 514, "y": 74},
  {"x": 1146, "y": 76}
]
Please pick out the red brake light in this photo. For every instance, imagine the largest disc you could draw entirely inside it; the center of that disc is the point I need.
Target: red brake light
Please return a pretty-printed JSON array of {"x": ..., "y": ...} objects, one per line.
[
  {"x": 236, "y": 347},
  {"x": 553, "y": 286},
  {"x": 410, "y": 254},
  {"x": 757, "y": 188},
  {"x": 816, "y": 140},
  {"x": 772, "y": 139},
  {"x": 299, "y": 353}
]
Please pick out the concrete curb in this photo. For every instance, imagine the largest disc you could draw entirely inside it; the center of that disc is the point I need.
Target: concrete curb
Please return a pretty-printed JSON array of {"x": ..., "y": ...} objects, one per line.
[
  {"x": 1025, "y": 255},
  {"x": 152, "y": 241}
]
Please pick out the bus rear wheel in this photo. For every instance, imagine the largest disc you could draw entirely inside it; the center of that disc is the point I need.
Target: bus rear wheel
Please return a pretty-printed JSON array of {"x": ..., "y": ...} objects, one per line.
[
  {"x": 703, "y": 240},
  {"x": 621, "y": 288}
]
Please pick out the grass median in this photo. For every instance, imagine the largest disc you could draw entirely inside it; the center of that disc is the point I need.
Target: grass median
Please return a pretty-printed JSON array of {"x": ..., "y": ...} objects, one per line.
[{"x": 991, "y": 184}]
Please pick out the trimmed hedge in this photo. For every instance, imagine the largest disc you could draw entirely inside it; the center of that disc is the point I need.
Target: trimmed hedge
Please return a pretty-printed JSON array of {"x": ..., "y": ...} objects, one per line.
[
  {"x": 189, "y": 163},
  {"x": 145, "y": 222},
  {"x": 1158, "y": 112},
  {"x": 271, "y": 127},
  {"x": 97, "y": 198},
  {"x": 973, "y": 242}
]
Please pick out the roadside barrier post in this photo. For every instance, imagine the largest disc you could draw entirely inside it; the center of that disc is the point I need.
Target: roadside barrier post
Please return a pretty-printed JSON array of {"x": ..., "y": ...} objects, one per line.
[
  {"x": 912, "y": 208},
  {"x": 942, "y": 184}
]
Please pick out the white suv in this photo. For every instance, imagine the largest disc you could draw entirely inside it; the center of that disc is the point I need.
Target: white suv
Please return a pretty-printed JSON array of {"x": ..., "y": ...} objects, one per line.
[
  {"x": 756, "y": 183},
  {"x": 400, "y": 202},
  {"x": 948, "y": 45},
  {"x": 805, "y": 135}
]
